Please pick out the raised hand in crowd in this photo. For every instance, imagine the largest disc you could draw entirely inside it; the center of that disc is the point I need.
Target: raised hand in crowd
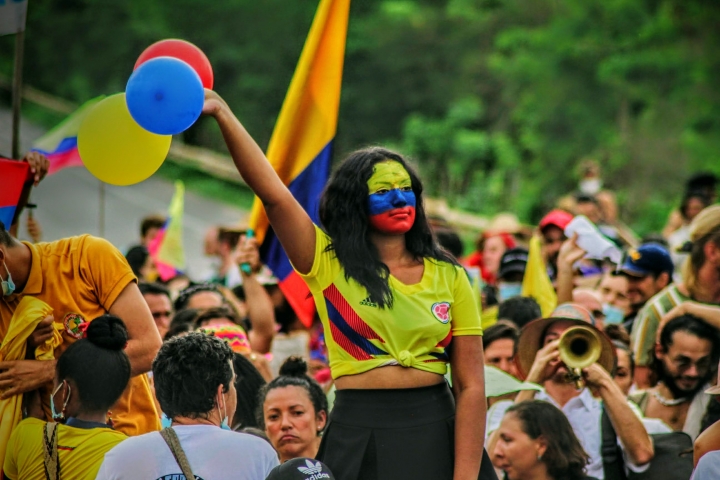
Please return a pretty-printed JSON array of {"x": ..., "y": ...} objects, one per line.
[
  {"x": 39, "y": 166},
  {"x": 260, "y": 310},
  {"x": 569, "y": 254},
  {"x": 708, "y": 313}
]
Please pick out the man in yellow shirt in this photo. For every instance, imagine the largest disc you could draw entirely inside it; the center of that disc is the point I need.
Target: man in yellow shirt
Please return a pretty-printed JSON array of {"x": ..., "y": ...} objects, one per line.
[{"x": 81, "y": 278}]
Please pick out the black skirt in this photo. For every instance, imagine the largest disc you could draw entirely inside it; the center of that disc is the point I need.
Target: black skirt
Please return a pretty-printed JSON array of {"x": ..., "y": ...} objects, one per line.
[{"x": 393, "y": 435}]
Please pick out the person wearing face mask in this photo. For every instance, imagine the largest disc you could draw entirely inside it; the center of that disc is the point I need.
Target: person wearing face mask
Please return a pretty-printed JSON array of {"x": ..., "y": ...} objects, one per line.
[
  {"x": 511, "y": 273},
  {"x": 392, "y": 301},
  {"x": 539, "y": 362},
  {"x": 90, "y": 376},
  {"x": 80, "y": 278},
  {"x": 195, "y": 386}
]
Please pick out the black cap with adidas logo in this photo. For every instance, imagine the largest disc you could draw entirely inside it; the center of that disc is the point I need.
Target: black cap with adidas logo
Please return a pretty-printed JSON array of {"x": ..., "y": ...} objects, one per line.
[{"x": 301, "y": 469}]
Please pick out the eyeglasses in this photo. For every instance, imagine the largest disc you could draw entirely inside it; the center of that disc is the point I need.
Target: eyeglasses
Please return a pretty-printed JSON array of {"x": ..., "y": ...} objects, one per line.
[{"x": 684, "y": 363}]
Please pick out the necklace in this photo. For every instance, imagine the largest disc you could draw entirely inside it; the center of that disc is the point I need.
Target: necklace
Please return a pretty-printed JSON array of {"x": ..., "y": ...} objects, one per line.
[{"x": 668, "y": 402}]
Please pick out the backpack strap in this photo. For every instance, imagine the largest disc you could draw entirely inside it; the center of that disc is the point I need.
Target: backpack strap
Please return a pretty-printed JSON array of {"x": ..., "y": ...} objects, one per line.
[
  {"x": 50, "y": 452},
  {"x": 613, "y": 464},
  {"x": 172, "y": 440}
]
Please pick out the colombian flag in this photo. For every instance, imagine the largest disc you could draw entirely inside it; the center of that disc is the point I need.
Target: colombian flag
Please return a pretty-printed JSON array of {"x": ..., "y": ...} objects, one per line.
[
  {"x": 12, "y": 179},
  {"x": 166, "y": 249},
  {"x": 301, "y": 144},
  {"x": 59, "y": 145}
]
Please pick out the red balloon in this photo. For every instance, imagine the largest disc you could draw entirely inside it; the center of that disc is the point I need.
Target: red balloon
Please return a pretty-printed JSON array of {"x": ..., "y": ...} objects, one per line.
[{"x": 182, "y": 50}]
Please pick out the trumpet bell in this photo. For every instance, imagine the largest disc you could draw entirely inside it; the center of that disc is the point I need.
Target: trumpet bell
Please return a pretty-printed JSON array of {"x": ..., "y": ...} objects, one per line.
[{"x": 579, "y": 347}]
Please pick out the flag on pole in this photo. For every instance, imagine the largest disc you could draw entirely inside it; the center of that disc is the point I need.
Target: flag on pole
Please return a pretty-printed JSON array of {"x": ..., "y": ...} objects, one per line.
[
  {"x": 12, "y": 16},
  {"x": 59, "y": 145},
  {"x": 536, "y": 282},
  {"x": 12, "y": 179},
  {"x": 166, "y": 249},
  {"x": 301, "y": 144}
]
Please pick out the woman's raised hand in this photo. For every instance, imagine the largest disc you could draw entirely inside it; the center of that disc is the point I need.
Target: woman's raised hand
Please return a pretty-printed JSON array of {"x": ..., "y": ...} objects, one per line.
[{"x": 213, "y": 103}]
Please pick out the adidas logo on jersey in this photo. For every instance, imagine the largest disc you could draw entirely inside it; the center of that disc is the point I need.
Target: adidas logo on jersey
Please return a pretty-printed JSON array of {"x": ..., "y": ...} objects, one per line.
[
  {"x": 314, "y": 470},
  {"x": 368, "y": 303}
]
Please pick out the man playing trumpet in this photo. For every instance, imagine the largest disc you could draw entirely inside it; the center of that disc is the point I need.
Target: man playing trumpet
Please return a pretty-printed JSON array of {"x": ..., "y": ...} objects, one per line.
[{"x": 575, "y": 372}]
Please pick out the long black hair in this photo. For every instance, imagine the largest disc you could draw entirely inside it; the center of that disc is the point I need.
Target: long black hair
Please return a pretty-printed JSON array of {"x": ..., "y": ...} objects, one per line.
[{"x": 344, "y": 216}]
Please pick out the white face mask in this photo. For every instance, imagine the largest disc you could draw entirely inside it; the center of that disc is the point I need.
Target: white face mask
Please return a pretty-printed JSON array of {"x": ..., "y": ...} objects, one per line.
[
  {"x": 8, "y": 287},
  {"x": 590, "y": 186}
]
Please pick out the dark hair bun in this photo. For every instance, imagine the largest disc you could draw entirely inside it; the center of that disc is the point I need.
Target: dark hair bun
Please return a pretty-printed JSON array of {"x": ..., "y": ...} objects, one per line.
[
  {"x": 108, "y": 332},
  {"x": 294, "y": 367}
]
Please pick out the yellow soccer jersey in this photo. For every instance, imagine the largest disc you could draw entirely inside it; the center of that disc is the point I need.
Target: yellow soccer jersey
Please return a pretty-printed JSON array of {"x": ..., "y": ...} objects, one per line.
[
  {"x": 80, "y": 450},
  {"x": 415, "y": 332}
]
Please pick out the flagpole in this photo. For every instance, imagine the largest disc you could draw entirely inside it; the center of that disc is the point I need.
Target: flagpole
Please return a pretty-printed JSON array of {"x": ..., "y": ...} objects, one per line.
[
  {"x": 101, "y": 213},
  {"x": 17, "y": 93}
]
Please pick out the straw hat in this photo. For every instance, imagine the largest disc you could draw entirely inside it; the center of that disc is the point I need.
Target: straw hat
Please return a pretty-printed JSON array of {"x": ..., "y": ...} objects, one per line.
[{"x": 532, "y": 334}]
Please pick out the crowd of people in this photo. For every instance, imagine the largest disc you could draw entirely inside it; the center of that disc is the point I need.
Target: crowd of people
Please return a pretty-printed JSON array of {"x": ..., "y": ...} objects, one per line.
[{"x": 109, "y": 372}]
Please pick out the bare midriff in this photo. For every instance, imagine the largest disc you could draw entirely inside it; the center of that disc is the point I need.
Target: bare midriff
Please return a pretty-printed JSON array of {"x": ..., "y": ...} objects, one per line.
[{"x": 389, "y": 377}]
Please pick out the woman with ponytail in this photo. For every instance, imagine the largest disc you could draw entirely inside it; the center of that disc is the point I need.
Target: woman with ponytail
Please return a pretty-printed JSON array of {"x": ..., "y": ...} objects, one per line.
[
  {"x": 293, "y": 411},
  {"x": 397, "y": 309},
  {"x": 90, "y": 377}
]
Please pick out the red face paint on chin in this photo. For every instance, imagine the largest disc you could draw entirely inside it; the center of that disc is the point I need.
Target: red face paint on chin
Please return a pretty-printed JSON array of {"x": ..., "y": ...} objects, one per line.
[{"x": 397, "y": 221}]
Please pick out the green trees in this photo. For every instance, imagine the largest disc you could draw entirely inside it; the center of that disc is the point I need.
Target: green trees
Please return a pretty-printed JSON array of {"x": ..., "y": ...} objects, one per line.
[{"x": 496, "y": 100}]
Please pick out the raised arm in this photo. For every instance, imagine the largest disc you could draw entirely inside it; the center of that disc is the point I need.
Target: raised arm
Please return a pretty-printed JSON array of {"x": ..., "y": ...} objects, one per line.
[
  {"x": 568, "y": 255},
  {"x": 630, "y": 429},
  {"x": 143, "y": 337},
  {"x": 291, "y": 223},
  {"x": 260, "y": 309}
]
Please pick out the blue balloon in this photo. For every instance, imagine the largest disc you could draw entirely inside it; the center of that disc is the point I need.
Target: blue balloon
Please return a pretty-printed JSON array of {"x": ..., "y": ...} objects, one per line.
[{"x": 165, "y": 96}]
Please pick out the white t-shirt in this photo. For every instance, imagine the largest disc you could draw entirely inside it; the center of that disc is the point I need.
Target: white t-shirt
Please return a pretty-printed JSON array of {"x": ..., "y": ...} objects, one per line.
[{"x": 213, "y": 454}]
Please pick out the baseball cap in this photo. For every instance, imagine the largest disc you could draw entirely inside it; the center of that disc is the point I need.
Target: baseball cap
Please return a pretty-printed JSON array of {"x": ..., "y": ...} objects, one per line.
[
  {"x": 301, "y": 469},
  {"x": 648, "y": 259},
  {"x": 558, "y": 218},
  {"x": 513, "y": 261}
]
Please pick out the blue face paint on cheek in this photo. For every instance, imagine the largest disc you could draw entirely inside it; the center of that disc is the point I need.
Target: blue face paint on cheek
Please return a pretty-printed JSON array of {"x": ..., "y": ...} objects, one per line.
[{"x": 382, "y": 202}]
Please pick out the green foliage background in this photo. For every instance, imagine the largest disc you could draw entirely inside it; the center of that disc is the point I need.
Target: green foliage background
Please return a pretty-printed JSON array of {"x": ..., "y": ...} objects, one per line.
[{"x": 496, "y": 100}]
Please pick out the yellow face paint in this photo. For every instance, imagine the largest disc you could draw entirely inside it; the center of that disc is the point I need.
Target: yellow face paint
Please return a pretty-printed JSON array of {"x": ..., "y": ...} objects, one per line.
[{"x": 388, "y": 175}]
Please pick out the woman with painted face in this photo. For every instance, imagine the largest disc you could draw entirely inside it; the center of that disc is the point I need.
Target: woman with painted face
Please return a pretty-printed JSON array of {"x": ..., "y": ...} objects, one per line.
[
  {"x": 397, "y": 310},
  {"x": 90, "y": 377}
]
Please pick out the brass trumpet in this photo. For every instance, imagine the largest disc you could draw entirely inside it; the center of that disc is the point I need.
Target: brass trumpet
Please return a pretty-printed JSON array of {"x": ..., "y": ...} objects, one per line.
[{"x": 579, "y": 348}]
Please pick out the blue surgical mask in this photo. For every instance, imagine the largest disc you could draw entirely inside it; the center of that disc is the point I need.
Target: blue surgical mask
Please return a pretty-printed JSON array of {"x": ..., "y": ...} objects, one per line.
[
  {"x": 613, "y": 315},
  {"x": 8, "y": 287},
  {"x": 59, "y": 415},
  {"x": 509, "y": 290},
  {"x": 224, "y": 423},
  {"x": 165, "y": 421}
]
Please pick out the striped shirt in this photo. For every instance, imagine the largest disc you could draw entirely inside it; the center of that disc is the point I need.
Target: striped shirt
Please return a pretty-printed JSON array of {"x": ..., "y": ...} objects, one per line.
[{"x": 644, "y": 330}]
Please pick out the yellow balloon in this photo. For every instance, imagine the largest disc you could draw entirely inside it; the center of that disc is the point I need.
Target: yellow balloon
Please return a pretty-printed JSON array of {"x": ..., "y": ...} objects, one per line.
[{"x": 115, "y": 148}]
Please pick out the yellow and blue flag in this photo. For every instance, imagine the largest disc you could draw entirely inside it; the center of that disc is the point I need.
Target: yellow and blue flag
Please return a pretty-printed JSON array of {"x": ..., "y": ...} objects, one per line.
[{"x": 301, "y": 145}]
